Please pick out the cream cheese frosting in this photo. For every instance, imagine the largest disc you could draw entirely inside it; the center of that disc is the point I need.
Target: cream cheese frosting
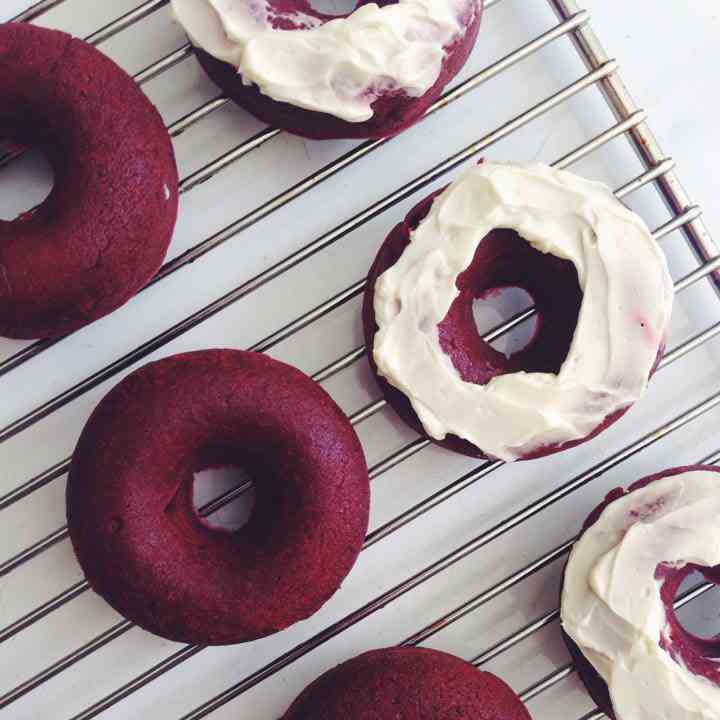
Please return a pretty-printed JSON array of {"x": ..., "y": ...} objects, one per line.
[
  {"x": 611, "y": 604},
  {"x": 339, "y": 67},
  {"x": 626, "y": 305}
]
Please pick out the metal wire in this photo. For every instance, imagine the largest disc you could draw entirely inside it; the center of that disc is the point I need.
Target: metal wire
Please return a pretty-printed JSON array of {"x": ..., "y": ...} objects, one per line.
[
  {"x": 531, "y": 628},
  {"x": 36, "y": 10},
  {"x": 125, "y": 21},
  {"x": 658, "y": 169}
]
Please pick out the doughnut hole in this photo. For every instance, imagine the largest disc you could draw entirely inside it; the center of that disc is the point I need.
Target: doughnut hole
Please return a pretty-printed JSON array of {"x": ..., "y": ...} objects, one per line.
[
  {"x": 214, "y": 473},
  {"x": 504, "y": 260},
  {"x": 333, "y": 8},
  {"x": 691, "y": 636},
  {"x": 290, "y": 14},
  {"x": 252, "y": 518},
  {"x": 209, "y": 488},
  {"x": 499, "y": 306},
  {"x": 700, "y": 618},
  {"x": 32, "y": 178}
]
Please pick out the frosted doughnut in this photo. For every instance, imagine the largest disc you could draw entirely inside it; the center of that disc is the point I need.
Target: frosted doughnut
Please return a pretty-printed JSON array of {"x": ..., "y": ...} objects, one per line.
[
  {"x": 370, "y": 73},
  {"x": 461, "y": 389},
  {"x": 621, "y": 581}
]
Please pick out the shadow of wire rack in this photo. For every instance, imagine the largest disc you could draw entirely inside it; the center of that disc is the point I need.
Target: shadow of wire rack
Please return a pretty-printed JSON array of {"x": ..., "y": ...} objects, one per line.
[{"x": 498, "y": 607}]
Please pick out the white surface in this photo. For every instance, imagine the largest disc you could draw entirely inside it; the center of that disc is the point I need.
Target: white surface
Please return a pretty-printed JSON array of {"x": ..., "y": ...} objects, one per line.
[{"x": 678, "y": 95}]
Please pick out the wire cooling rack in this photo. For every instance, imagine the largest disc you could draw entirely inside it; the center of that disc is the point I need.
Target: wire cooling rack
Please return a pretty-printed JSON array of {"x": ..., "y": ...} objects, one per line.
[{"x": 471, "y": 553}]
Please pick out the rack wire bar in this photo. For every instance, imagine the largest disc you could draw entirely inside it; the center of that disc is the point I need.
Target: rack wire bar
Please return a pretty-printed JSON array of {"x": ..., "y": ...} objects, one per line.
[
  {"x": 125, "y": 21},
  {"x": 658, "y": 169},
  {"x": 523, "y": 633},
  {"x": 43, "y": 610},
  {"x": 553, "y": 615},
  {"x": 547, "y": 682},
  {"x": 36, "y": 10},
  {"x": 312, "y": 181}
]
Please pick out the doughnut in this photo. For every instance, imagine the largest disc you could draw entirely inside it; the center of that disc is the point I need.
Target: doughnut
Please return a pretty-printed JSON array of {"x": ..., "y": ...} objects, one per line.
[
  {"x": 407, "y": 683},
  {"x": 141, "y": 543},
  {"x": 621, "y": 581},
  {"x": 103, "y": 231},
  {"x": 369, "y": 74},
  {"x": 601, "y": 289}
]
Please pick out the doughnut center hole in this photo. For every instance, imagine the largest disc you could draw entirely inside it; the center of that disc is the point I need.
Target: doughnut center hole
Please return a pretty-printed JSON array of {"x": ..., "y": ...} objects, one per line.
[
  {"x": 700, "y": 618},
  {"x": 210, "y": 487},
  {"x": 26, "y": 183},
  {"x": 498, "y": 306},
  {"x": 335, "y": 8}
]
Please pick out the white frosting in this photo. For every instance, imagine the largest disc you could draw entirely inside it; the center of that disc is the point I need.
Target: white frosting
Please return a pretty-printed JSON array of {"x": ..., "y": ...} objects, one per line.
[
  {"x": 338, "y": 67},
  {"x": 627, "y": 299},
  {"x": 611, "y": 605}
]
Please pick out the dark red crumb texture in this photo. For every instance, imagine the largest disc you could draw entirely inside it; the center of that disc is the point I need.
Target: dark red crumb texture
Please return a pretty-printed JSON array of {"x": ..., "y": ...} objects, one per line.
[
  {"x": 393, "y": 112},
  {"x": 699, "y": 655},
  {"x": 129, "y": 497},
  {"x": 503, "y": 259},
  {"x": 407, "y": 684},
  {"x": 105, "y": 228}
]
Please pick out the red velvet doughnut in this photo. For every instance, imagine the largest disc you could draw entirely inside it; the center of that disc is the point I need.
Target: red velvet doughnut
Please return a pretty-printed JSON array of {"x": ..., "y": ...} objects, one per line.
[
  {"x": 697, "y": 654},
  {"x": 103, "y": 231},
  {"x": 393, "y": 112},
  {"x": 129, "y": 497},
  {"x": 407, "y": 683},
  {"x": 503, "y": 259}
]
